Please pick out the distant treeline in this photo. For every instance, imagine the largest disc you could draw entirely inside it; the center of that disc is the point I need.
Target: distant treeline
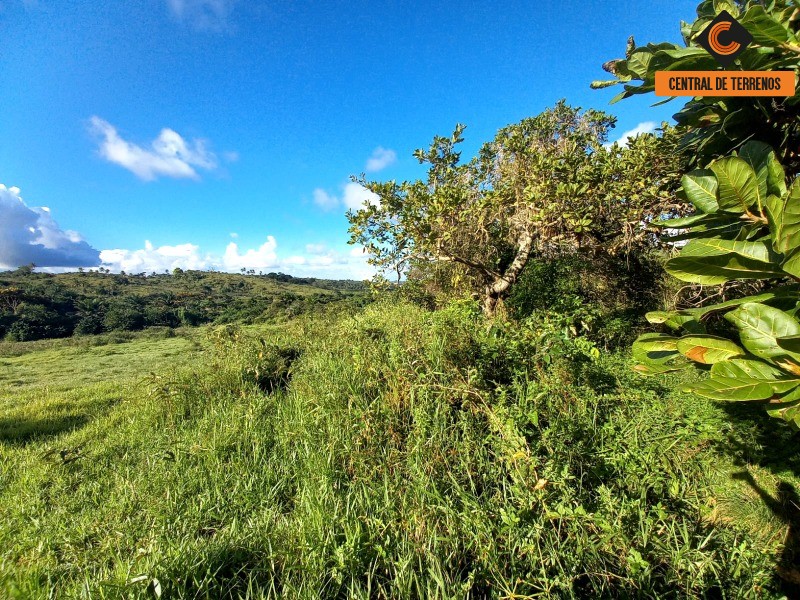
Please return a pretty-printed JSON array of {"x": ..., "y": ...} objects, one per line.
[{"x": 40, "y": 305}]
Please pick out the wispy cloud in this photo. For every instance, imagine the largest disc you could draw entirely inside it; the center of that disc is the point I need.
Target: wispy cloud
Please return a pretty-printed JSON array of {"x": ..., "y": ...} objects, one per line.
[
  {"x": 203, "y": 15},
  {"x": 31, "y": 235},
  {"x": 325, "y": 200},
  {"x": 169, "y": 155},
  {"x": 645, "y": 127},
  {"x": 380, "y": 159}
]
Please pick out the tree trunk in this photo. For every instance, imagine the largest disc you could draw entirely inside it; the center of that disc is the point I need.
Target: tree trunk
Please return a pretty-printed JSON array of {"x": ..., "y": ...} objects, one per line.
[
  {"x": 499, "y": 287},
  {"x": 490, "y": 302}
]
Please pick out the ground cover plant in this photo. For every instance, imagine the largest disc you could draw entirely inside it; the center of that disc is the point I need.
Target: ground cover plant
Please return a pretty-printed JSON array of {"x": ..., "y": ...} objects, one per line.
[
  {"x": 392, "y": 452},
  {"x": 478, "y": 430}
]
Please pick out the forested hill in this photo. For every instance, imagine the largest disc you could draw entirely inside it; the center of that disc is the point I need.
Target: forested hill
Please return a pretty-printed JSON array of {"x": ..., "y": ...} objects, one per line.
[{"x": 41, "y": 305}]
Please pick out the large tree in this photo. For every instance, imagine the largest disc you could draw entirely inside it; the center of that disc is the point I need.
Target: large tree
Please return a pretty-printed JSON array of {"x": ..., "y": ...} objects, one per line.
[
  {"x": 713, "y": 127},
  {"x": 544, "y": 185},
  {"x": 744, "y": 231}
]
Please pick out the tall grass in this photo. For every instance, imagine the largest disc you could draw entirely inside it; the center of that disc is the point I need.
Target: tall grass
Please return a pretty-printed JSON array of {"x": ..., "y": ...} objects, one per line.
[{"x": 391, "y": 454}]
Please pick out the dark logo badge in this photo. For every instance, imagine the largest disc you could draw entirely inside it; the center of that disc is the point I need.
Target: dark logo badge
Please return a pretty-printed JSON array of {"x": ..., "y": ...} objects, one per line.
[{"x": 725, "y": 38}]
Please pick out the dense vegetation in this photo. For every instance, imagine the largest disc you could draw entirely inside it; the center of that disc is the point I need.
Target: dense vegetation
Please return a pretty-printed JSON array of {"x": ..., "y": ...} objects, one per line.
[
  {"x": 395, "y": 452},
  {"x": 476, "y": 431},
  {"x": 36, "y": 305},
  {"x": 743, "y": 228}
]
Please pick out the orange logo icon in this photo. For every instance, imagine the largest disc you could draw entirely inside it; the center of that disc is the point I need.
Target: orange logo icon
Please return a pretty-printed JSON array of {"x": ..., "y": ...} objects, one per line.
[
  {"x": 725, "y": 38},
  {"x": 713, "y": 39}
]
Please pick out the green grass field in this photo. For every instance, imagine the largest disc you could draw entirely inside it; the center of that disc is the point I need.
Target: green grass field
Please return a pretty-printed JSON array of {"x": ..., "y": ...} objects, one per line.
[{"x": 393, "y": 453}]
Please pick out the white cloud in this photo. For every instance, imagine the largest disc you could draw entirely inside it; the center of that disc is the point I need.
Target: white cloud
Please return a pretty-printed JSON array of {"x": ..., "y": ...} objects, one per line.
[
  {"x": 31, "y": 235},
  {"x": 353, "y": 197},
  {"x": 319, "y": 260},
  {"x": 316, "y": 248},
  {"x": 263, "y": 257},
  {"x": 204, "y": 15},
  {"x": 645, "y": 127},
  {"x": 356, "y": 195},
  {"x": 380, "y": 159},
  {"x": 149, "y": 259},
  {"x": 325, "y": 200},
  {"x": 169, "y": 154}
]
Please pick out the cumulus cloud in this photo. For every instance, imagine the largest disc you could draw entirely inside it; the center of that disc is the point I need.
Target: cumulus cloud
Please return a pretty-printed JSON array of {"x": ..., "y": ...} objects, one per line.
[
  {"x": 318, "y": 261},
  {"x": 31, "y": 235},
  {"x": 149, "y": 258},
  {"x": 355, "y": 196},
  {"x": 645, "y": 127},
  {"x": 380, "y": 159},
  {"x": 211, "y": 15},
  {"x": 169, "y": 155},
  {"x": 263, "y": 257}
]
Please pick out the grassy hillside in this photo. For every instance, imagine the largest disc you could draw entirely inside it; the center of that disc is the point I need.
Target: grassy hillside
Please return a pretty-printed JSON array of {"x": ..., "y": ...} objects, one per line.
[
  {"x": 37, "y": 306},
  {"x": 388, "y": 453}
]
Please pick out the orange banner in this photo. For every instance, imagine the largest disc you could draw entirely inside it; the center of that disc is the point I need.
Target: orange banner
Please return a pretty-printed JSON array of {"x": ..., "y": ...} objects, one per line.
[{"x": 724, "y": 83}]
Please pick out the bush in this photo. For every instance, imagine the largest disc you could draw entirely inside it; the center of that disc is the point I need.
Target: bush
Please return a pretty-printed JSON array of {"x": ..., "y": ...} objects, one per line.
[
  {"x": 90, "y": 324},
  {"x": 123, "y": 317},
  {"x": 601, "y": 297},
  {"x": 36, "y": 322}
]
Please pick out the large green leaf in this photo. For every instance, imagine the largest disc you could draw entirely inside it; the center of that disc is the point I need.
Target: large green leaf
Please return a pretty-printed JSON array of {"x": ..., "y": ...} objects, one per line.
[
  {"x": 700, "y": 187},
  {"x": 714, "y": 261},
  {"x": 792, "y": 265},
  {"x": 784, "y": 217},
  {"x": 707, "y": 349},
  {"x": 758, "y": 155},
  {"x": 655, "y": 347},
  {"x": 788, "y": 411},
  {"x": 656, "y": 369},
  {"x": 657, "y": 353},
  {"x": 738, "y": 185},
  {"x": 759, "y": 327},
  {"x": 776, "y": 177},
  {"x": 759, "y": 251},
  {"x": 764, "y": 29},
  {"x": 787, "y": 293},
  {"x": 675, "y": 320},
  {"x": 736, "y": 389},
  {"x": 751, "y": 368},
  {"x": 717, "y": 269}
]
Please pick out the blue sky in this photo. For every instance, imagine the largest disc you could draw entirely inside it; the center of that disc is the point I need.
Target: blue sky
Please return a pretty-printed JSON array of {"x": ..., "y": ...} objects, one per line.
[{"x": 222, "y": 133}]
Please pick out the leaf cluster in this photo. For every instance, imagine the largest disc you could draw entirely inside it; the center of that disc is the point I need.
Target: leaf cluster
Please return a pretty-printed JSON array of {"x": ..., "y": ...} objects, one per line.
[
  {"x": 746, "y": 226},
  {"x": 714, "y": 126}
]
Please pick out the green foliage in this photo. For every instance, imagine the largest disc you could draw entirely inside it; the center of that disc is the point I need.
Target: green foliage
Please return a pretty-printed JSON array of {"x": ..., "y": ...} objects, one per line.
[
  {"x": 124, "y": 315},
  {"x": 543, "y": 186},
  {"x": 411, "y": 455},
  {"x": 601, "y": 297},
  {"x": 744, "y": 227},
  {"x": 714, "y": 127},
  {"x": 37, "y": 306}
]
